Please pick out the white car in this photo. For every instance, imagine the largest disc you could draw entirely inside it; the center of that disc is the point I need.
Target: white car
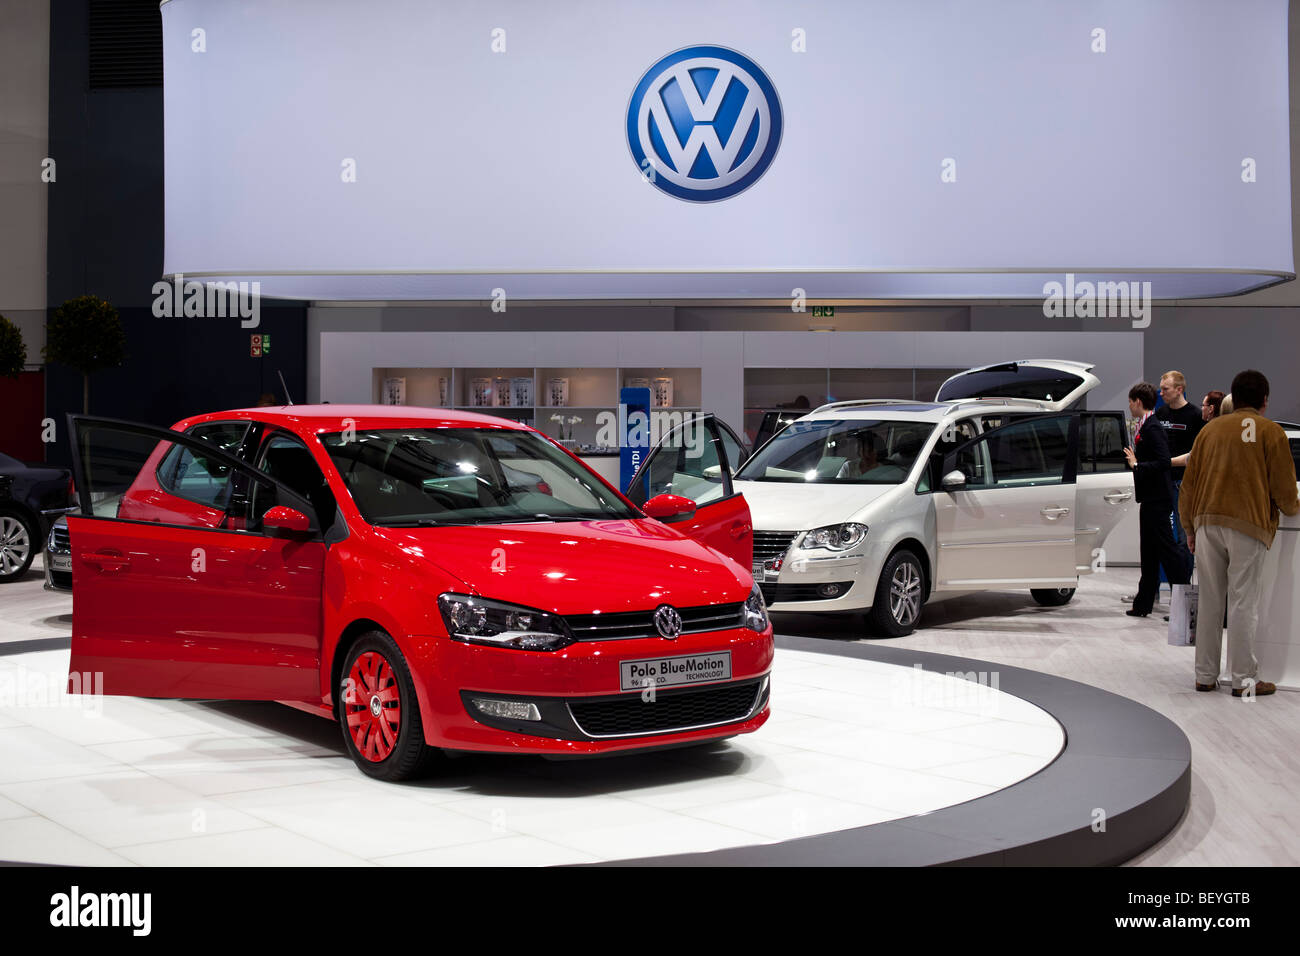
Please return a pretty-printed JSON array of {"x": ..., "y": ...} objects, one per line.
[{"x": 881, "y": 506}]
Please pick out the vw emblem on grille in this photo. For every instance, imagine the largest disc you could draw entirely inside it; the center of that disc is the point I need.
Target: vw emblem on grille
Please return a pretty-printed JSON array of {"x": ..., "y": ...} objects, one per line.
[
  {"x": 667, "y": 621},
  {"x": 704, "y": 123}
]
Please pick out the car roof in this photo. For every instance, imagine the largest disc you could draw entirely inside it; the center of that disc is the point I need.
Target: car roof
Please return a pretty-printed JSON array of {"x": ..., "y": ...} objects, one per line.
[
  {"x": 921, "y": 411},
  {"x": 314, "y": 419}
]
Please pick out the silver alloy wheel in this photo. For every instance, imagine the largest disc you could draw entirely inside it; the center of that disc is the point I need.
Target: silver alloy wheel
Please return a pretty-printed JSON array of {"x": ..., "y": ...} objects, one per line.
[
  {"x": 15, "y": 545},
  {"x": 905, "y": 594}
]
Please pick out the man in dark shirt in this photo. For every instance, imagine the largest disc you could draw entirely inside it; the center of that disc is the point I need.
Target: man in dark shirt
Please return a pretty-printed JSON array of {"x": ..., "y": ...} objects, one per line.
[
  {"x": 1182, "y": 422},
  {"x": 1149, "y": 458}
]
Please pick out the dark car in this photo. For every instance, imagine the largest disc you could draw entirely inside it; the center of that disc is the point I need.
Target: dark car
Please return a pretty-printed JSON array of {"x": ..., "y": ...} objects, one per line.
[{"x": 31, "y": 497}]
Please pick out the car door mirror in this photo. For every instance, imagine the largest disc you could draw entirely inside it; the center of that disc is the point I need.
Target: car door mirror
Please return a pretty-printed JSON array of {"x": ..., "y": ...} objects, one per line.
[
  {"x": 954, "y": 481},
  {"x": 286, "y": 522},
  {"x": 669, "y": 508}
]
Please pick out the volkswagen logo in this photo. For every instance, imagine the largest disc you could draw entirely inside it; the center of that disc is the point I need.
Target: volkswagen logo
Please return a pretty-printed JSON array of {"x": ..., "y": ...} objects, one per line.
[
  {"x": 704, "y": 123},
  {"x": 667, "y": 621}
]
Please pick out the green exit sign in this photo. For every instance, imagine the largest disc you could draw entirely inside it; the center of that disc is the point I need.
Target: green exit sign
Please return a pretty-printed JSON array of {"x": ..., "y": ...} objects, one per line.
[{"x": 823, "y": 311}]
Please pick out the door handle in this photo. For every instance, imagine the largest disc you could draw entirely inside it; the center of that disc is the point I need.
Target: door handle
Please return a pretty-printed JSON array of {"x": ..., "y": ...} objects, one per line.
[
  {"x": 740, "y": 529},
  {"x": 1115, "y": 497},
  {"x": 1051, "y": 514},
  {"x": 106, "y": 560}
]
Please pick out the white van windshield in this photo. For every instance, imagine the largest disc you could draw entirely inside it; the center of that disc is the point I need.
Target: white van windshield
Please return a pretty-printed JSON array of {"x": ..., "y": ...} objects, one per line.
[{"x": 832, "y": 451}]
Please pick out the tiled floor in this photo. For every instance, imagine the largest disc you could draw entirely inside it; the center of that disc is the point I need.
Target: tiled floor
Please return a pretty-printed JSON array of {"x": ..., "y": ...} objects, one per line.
[
  {"x": 1245, "y": 754},
  {"x": 124, "y": 781}
]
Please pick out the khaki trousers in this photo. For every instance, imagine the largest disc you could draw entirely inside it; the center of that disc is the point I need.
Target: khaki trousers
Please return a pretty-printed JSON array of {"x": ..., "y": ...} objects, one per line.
[{"x": 1229, "y": 566}]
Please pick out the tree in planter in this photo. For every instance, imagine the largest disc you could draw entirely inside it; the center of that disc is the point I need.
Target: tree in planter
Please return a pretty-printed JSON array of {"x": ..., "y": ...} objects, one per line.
[
  {"x": 85, "y": 333},
  {"x": 13, "y": 352}
]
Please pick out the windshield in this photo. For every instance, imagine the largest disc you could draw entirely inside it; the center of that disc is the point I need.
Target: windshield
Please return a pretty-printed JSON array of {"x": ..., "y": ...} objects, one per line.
[
  {"x": 854, "y": 452},
  {"x": 413, "y": 477}
]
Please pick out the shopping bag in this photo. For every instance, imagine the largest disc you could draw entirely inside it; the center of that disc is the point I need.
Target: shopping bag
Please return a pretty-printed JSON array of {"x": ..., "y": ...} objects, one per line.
[{"x": 1182, "y": 615}]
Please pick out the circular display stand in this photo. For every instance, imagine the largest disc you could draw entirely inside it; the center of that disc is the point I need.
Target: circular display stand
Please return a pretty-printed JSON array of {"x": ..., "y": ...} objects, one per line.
[
  {"x": 874, "y": 755},
  {"x": 1120, "y": 783}
]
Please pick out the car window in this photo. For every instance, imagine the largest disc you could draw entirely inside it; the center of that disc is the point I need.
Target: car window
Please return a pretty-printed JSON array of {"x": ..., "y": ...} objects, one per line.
[
  {"x": 286, "y": 459},
  {"x": 848, "y": 451},
  {"x": 122, "y": 468},
  {"x": 433, "y": 476},
  {"x": 1101, "y": 443},
  {"x": 953, "y": 434},
  {"x": 685, "y": 463},
  {"x": 186, "y": 473},
  {"x": 1030, "y": 452},
  {"x": 735, "y": 453}
]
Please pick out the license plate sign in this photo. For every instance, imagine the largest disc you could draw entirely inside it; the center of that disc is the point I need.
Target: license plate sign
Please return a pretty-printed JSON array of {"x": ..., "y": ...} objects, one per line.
[{"x": 674, "y": 671}]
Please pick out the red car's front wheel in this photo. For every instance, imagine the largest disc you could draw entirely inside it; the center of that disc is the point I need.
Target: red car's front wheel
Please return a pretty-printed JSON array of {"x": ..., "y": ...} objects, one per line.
[{"x": 378, "y": 710}]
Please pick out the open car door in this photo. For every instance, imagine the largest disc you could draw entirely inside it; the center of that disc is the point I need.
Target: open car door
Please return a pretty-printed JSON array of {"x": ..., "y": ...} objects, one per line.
[
  {"x": 1004, "y": 513},
  {"x": 696, "y": 460},
  {"x": 163, "y": 607}
]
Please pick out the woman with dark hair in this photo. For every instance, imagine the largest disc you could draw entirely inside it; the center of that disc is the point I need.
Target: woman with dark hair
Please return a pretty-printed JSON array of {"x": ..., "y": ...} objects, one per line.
[{"x": 1210, "y": 404}]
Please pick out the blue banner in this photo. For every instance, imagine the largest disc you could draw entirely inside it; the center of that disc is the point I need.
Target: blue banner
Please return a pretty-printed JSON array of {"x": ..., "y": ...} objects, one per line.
[{"x": 633, "y": 432}]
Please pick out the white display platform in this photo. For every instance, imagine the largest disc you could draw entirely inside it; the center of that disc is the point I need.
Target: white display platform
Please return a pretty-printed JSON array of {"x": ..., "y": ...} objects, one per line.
[
  {"x": 851, "y": 743},
  {"x": 1277, "y": 640}
]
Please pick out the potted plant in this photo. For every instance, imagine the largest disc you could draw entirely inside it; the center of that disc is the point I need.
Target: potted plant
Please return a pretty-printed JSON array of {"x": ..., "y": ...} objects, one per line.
[
  {"x": 13, "y": 351},
  {"x": 85, "y": 333}
]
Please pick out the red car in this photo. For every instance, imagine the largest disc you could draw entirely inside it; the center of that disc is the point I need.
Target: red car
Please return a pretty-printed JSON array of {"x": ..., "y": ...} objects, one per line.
[{"x": 433, "y": 580}]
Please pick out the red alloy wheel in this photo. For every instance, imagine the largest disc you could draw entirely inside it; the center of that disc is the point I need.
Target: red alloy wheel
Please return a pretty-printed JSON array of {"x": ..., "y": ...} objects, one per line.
[{"x": 374, "y": 707}]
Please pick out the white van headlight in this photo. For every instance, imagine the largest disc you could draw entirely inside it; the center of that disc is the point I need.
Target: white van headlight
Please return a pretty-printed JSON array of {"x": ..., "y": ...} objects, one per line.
[{"x": 835, "y": 537}]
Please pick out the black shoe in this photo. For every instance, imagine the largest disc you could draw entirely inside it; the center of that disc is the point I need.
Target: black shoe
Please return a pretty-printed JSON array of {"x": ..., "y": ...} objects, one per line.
[
  {"x": 1166, "y": 617},
  {"x": 1134, "y": 612}
]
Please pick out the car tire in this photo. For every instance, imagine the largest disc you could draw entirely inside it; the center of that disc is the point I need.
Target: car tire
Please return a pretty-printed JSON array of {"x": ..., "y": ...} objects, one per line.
[
  {"x": 379, "y": 712},
  {"x": 900, "y": 593},
  {"x": 19, "y": 544},
  {"x": 1052, "y": 597}
]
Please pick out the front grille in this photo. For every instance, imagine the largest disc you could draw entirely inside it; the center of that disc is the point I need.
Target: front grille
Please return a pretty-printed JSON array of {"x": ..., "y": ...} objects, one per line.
[
  {"x": 774, "y": 593},
  {"x": 666, "y": 712},
  {"x": 62, "y": 541},
  {"x": 627, "y": 624},
  {"x": 772, "y": 544}
]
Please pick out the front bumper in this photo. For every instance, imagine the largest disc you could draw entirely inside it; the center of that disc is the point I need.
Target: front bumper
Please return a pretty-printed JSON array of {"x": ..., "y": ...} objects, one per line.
[
  {"x": 58, "y": 570},
  {"x": 577, "y": 693},
  {"x": 805, "y": 579}
]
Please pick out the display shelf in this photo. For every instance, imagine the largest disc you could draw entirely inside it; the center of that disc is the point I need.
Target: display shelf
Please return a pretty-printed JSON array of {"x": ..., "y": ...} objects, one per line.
[
  {"x": 424, "y": 386},
  {"x": 501, "y": 387},
  {"x": 587, "y": 387},
  {"x": 686, "y": 385}
]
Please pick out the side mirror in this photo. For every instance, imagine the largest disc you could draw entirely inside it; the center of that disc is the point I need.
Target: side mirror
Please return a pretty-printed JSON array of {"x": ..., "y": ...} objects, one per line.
[
  {"x": 954, "y": 481},
  {"x": 286, "y": 522},
  {"x": 669, "y": 508}
]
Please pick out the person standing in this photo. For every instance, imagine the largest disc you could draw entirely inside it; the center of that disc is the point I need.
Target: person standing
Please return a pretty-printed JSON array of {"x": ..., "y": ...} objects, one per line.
[
  {"x": 1149, "y": 458},
  {"x": 1182, "y": 422},
  {"x": 1239, "y": 476},
  {"x": 1210, "y": 404}
]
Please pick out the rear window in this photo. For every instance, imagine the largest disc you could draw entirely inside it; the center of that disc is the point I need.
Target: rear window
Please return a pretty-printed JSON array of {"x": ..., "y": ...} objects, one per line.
[{"x": 1011, "y": 381}]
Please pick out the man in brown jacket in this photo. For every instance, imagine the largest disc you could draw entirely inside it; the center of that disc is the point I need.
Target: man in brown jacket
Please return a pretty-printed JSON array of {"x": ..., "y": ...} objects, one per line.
[{"x": 1239, "y": 474}]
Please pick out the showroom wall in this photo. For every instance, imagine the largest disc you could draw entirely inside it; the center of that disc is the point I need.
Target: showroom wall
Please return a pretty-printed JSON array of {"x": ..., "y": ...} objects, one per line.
[
  {"x": 106, "y": 232},
  {"x": 24, "y": 136}
]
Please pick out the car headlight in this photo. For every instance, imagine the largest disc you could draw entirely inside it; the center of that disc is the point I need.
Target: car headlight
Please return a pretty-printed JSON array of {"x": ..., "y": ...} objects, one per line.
[
  {"x": 755, "y": 611},
  {"x": 835, "y": 537},
  {"x": 477, "y": 620}
]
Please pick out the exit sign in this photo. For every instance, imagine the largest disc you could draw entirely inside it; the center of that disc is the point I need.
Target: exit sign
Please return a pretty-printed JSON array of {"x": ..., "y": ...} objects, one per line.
[{"x": 823, "y": 311}]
